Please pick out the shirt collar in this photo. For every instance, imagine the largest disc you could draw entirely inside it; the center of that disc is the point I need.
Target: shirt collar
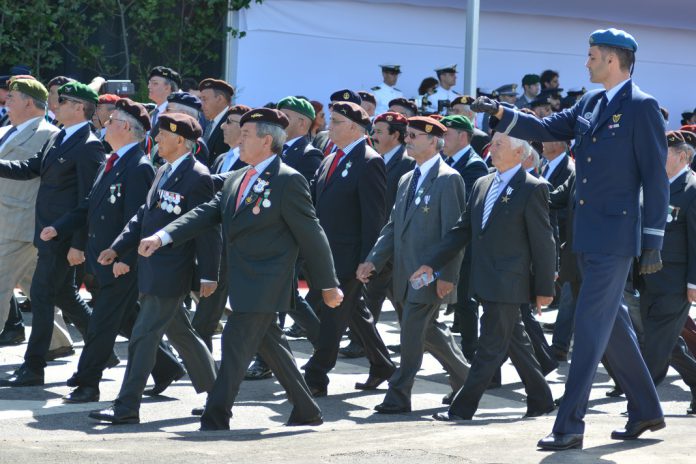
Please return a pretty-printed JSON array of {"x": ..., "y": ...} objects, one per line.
[
  {"x": 457, "y": 156},
  {"x": 178, "y": 162},
  {"x": 72, "y": 129},
  {"x": 611, "y": 93},
  {"x": 425, "y": 167},
  {"x": 219, "y": 117},
  {"x": 264, "y": 164},
  {"x": 352, "y": 145},
  {"x": 291, "y": 142},
  {"x": 679, "y": 174},
  {"x": 161, "y": 108},
  {"x": 390, "y": 154},
  {"x": 553, "y": 163},
  {"x": 506, "y": 176},
  {"x": 26, "y": 123},
  {"x": 124, "y": 149}
]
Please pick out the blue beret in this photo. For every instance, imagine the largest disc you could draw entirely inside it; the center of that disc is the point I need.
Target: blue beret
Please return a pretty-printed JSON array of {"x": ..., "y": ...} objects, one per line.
[
  {"x": 614, "y": 38},
  {"x": 346, "y": 95},
  {"x": 186, "y": 99}
]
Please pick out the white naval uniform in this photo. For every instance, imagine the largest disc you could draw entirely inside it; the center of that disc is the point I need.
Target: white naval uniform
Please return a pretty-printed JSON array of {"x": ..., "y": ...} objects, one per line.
[{"x": 384, "y": 94}]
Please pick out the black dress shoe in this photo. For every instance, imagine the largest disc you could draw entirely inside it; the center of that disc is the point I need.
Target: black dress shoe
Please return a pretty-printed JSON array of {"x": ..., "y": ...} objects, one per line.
[
  {"x": 692, "y": 407},
  {"x": 317, "y": 392},
  {"x": 82, "y": 394},
  {"x": 561, "y": 441},
  {"x": 447, "y": 399},
  {"x": 318, "y": 420},
  {"x": 557, "y": 401},
  {"x": 394, "y": 348},
  {"x": 615, "y": 392},
  {"x": 198, "y": 411},
  {"x": 371, "y": 384},
  {"x": 633, "y": 430},
  {"x": 391, "y": 409},
  {"x": 115, "y": 417},
  {"x": 113, "y": 361},
  {"x": 24, "y": 377},
  {"x": 559, "y": 354},
  {"x": 160, "y": 387},
  {"x": 12, "y": 337},
  {"x": 353, "y": 350},
  {"x": 258, "y": 371},
  {"x": 539, "y": 412},
  {"x": 295, "y": 331},
  {"x": 448, "y": 417},
  {"x": 62, "y": 352}
]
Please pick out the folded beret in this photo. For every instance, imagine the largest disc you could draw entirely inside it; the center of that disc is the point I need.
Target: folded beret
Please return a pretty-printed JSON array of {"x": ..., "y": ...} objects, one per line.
[
  {"x": 614, "y": 38},
  {"x": 216, "y": 84},
  {"x": 345, "y": 95},
  {"x": 298, "y": 105},
  {"x": 59, "y": 80},
  {"x": 459, "y": 122},
  {"x": 688, "y": 128},
  {"x": 79, "y": 91},
  {"x": 428, "y": 125},
  {"x": 186, "y": 99},
  {"x": 237, "y": 109},
  {"x": 404, "y": 103},
  {"x": 367, "y": 96},
  {"x": 30, "y": 87},
  {"x": 392, "y": 118},
  {"x": 352, "y": 111},
  {"x": 462, "y": 100},
  {"x": 266, "y": 115},
  {"x": 136, "y": 110},
  {"x": 167, "y": 73},
  {"x": 180, "y": 124}
]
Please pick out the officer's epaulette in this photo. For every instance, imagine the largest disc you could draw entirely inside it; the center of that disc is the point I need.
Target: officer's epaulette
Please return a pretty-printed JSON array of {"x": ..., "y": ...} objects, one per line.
[{"x": 375, "y": 87}]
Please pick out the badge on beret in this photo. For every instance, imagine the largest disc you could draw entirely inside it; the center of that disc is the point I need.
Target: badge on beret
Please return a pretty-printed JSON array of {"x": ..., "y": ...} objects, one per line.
[
  {"x": 390, "y": 118},
  {"x": 448, "y": 123},
  {"x": 172, "y": 127},
  {"x": 344, "y": 111},
  {"x": 256, "y": 115},
  {"x": 428, "y": 128},
  {"x": 346, "y": 95}
]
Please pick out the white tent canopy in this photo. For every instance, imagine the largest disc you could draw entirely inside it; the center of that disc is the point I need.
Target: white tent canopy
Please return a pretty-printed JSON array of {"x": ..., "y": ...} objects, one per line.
[{"x": 312, "y": 48}]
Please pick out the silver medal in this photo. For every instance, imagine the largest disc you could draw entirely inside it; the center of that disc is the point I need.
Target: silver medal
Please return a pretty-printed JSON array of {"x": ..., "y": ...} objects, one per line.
[
  {"x": 164, "y": 205},
  {"x": 177, "y": 210},
  {"x": 266, "y": 203},
  {"x": 112, "y": 199},
  {"x": 670, "y": 218},
  {"x": 170, "y": 207},
  {"x": 344, "y": 173},
  {"x": 418, "y": 200}
]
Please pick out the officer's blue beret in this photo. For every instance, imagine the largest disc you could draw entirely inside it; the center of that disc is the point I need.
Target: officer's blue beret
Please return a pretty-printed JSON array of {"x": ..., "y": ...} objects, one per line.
[
  {"x": 346, "y": 95},
  {"x": 185, "y": 98},
  {"x": 614, "y": 38}
]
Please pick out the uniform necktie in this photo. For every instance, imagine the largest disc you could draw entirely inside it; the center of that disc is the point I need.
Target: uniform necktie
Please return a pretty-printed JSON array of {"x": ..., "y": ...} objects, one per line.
[
  {"x": 329, "y": 148},
  {"x": 247, "y": 178},
  {"x": 154, "y": 117},
  {"x": 412, "y": 187},
  {"x": 59, "y": 139},
  {"x": 208, "y": 130},
  {"x": 490, "y": 200},
  {"x": 602, "y": 105},
  {"x": 338, "y": 156},
  {"x": 165, "y": 176},
  {"x": 110, "y": 163},
  {"x": 4, "y": 138},
  {"x": 545, "y": 171},
  {"x": 449, "y": 161}
]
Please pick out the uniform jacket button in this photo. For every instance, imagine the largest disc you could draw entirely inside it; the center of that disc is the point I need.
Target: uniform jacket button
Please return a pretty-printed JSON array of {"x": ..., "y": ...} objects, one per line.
[{"x": 582, "y": 202}]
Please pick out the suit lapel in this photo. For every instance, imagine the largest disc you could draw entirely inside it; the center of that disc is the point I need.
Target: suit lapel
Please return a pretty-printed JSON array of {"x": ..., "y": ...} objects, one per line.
[
  {"x": 499, "y": 203},
  {"x": 679, "y": 184},
  {"x": 394, "y": 161},
  {"x": 56, "y": 153},
  {"x": 349, "y": 157},
  {"x": 425, "y": 188},
  {"x": 612, "y": 107},
  {"x": 104, "y": 181},
  {"x": 459, "y": 165},
  {"x": 19, "y": 139},
  {"x": 252, "y": 197}
]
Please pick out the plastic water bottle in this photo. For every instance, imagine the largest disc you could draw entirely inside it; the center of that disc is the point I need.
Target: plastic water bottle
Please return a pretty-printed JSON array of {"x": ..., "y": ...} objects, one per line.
[{"x": 423, "y": 280}]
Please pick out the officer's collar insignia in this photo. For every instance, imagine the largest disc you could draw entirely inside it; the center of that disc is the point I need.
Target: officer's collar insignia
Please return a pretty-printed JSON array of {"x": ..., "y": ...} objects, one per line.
[
  {"x": 172, "y": 127},
  {"x": 428, "y": 128},
  {"x": 616, "y": 118}
]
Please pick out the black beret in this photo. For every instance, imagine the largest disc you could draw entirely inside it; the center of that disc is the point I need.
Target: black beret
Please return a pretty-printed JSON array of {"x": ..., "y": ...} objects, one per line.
[
  {"x": 540, "y": 101},
  {"x": 180, "y": 124},
  {"x": 267, "y": 115},
  {"x": 167, "y": 73},
  {"x": 237, "y": 109},
  {"x": 346, "y": 95},
  {"x": 462, "y": 100},
  {"x": 352, "y": 111},
  {"x": 681, "y": 136},
  {"x": 392, "y": 118},
  {"x": 186, "y": 99},
  {"x": 367, "y": 97},
  {"x": 59, "y": 80},
  {"x": 427, "y": 125},
  {"x": 136, "y": 110},
  {"x": 216, "y": 84},
  {"x": 405, "y": 104},
  {"x": 689, "y": 137}
]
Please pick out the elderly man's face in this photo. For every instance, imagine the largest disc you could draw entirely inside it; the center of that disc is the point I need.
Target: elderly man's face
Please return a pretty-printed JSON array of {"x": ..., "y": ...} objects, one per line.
[
  {"x": 503, "y": 154},
  {"x": 158, "y": 89}
]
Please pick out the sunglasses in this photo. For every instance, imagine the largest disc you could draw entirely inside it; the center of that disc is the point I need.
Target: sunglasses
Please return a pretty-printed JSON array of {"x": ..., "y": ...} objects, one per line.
[{"x": 62, "y": 100}]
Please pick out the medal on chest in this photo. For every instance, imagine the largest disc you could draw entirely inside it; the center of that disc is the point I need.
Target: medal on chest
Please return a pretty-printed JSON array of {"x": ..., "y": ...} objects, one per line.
[
  {"x": 344, "y": 173},
  {"x": 417, "y": 201},
  {"x": 114, "y": 192}
]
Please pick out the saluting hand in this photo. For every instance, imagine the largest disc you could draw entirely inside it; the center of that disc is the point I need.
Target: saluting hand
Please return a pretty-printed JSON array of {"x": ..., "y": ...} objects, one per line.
[
  {"x": 487, "y": 105},
  {"x": 149, "y": 245},
  {"x": 107, "y": 257},
  {"x": 121, "y": 269},
  {"x": 422, "y": 270},
  {"x": 207, "y": 289},
  {"x": 333, "y": 297},
  {"x": 48, "y": 233},
  {"x": 364, "y": 272},
  {"x": 542, "y": 301},
  {"x": 76, "y": 256}
]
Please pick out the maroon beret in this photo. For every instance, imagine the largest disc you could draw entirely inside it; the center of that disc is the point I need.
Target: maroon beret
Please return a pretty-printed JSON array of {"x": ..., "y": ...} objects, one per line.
[
  {"x": 405, "y": 104},
  {"x": 108, "y": 99},
  {"x": 681, "y": 136},
  {"x": 462, "y": 100},
  {"x": 689, "y": 128},
  {"x": 367, "y": 97},
  {"x": 267, "y": 115},
  {"x": 352, "y": 111},
  {"x": 437, "y": 117},
  {"x": 136, "y": 110},
  {"x": 690, "y": 138},
  {"x": 392, "y": 118},
  {"x": 216, "y": 84},
  {"x": 428, "y": 125},
  {"x": 180, "y": 124},
  {"x": 237, "y": 109}
]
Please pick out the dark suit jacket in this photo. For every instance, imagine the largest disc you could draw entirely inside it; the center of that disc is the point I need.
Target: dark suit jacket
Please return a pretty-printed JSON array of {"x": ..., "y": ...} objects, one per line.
[
  {"x": 239, "y": 164},
  {"x": 304, "y": 158},
  {"x": 518, "y": 235},
  {"x": 559, "y": 175},
  {"x": 470, "y": 166},
  {"x": 679, "y": 247},
  {"x": 67, "y": 173},
  {"x": 169, "y": 272},
  {"x": 351, "y": 209},
  {"x": 261, "y": 249},
  {"x": 398, "y": 165},
  {"x": 564, "y": 198},
  {"x": 216, "y": 145},
  {"x": 128, "y": 181}
]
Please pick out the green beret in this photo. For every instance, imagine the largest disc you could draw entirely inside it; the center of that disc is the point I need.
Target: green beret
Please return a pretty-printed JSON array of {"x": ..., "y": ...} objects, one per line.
[
  {"x": 30, "y": 87},
  {"x": 459, "y": 122},
  {"x": 298, "y": 105},
  {"x": 79, "y": 91}
]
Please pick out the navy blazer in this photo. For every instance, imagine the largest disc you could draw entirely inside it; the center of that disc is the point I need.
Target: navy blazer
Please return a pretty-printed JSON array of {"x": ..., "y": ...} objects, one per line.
[
  {"x": 351, "y": 209},
  {"x": 470, "y": 166},
  {"x": 617, "y": 153},
  {"x": 303, "y": 157},
  {"x": 399, "y": 164},
  {"x": 216, "y": 145},
  {"x": 115, "y": 198},
  {"x": 679, "y": 248},
  {"x": 169, "y": 272},
  {"x": 67, "y": 173}
]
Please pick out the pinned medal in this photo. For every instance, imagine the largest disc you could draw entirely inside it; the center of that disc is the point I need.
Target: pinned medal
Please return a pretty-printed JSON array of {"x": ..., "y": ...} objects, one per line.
[
  {"x": 256, "y": 209},
  {"x": 260, "y": 185},
  {"x": 164, "y": 205},
  {"x": 418, "y": 200},
  {"x": 344, "y": 173},
  {"x": 426, "y": 208},
  {"x": 112, "y": 197},
  {"x": 266, "y": 203},
  {"x": 170, "y": 207},
  {"x": 177, "y": 210}
]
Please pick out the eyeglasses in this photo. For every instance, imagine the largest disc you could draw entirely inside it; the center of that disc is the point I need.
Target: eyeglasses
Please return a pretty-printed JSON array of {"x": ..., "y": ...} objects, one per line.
[
  {"x": 63, "y": 99},
  {"x": 231, "y": 121},
  {"x": 336, "y": 121},
  {"x": 412, "y": 135}
]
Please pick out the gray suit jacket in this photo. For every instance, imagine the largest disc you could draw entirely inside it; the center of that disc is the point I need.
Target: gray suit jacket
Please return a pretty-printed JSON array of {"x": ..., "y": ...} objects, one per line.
[
  {"x": 411, "y": 235},
  {"x": 18, "y": 197}
]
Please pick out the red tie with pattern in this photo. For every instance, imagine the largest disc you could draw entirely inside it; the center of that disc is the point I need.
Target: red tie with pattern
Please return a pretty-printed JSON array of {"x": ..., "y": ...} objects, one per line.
[
  {"x": 110, "y": 163},
  {"x": 337, "y": 159},
  {"x": 247, "y": 177}
]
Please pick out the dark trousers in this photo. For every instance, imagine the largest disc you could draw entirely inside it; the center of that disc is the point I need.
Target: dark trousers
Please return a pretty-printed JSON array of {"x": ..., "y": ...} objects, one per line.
[
  {"x": 244, "y": 335},
  {"x": 53, "y": 284},
  {"x": 602, "y": 326},
  {"x": 542, "y": 349},
  {"x": 209, "y": 310},
  {"x": 334, "y": 322},
  {"x": 114, "y": 314},
  {"x": 159, "y": 316},
  {"x": 14, "y": 322},
  {"x": 565, "y": 319},
  {"x": 466, "y": 310},
  {"x": 663, "y": 319},
  {"x": 502, "y": 334}
]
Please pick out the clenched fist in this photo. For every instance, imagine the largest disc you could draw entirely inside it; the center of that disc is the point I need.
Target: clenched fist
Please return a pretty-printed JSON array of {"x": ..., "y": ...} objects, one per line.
[
  {"x": 149, "y": 245},
  {"x": 332, "y": 297}
]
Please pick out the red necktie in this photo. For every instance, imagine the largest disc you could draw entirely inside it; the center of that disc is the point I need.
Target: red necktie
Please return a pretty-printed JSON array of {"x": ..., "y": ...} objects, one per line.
[
  {"x": 338, "y": 156},
  {"x": 247, "y": 177},
  {"x": 329, "y": 148},
  {"x": 110, "y": 163}
]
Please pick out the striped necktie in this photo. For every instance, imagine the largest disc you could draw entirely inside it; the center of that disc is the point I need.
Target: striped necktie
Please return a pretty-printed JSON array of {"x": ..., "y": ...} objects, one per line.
[{"x": 490, "y": 200}]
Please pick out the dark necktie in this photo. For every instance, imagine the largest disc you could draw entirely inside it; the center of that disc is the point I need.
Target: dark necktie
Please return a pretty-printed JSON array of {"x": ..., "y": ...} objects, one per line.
[
  {"x": 165, "y": 176},
  {"x": 449, "y": 161},
  {"x": 154, "y": 117},
  {"x": 208, "y": 130},
  {"x": 4, "y": 138},
  {"x": 110, "y": 163},
  {"x": 285, "y": 149},
  {"x": 412, "y": 187},
  {"x": 545, "y": 171},
  {"x": 602, "y": 105}
]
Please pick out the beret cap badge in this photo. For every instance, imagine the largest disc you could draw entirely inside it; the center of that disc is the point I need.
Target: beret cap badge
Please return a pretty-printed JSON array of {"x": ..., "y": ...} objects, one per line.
[
  {"x": 428, "y": 128},
  {"x": 172, "y": 127},
  {"x": 256, "y": 115},
  {"x": 346, "y": 95},
  {"x": 390, "y": 118}
]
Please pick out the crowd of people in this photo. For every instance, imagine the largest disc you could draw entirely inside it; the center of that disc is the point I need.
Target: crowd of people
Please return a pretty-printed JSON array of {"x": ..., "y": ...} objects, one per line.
[{"x": 489, "y": 207}]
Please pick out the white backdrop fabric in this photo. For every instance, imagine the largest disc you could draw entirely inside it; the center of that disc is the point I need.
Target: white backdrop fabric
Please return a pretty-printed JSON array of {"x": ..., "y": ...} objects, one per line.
[{"x": 312, "y": 48}]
